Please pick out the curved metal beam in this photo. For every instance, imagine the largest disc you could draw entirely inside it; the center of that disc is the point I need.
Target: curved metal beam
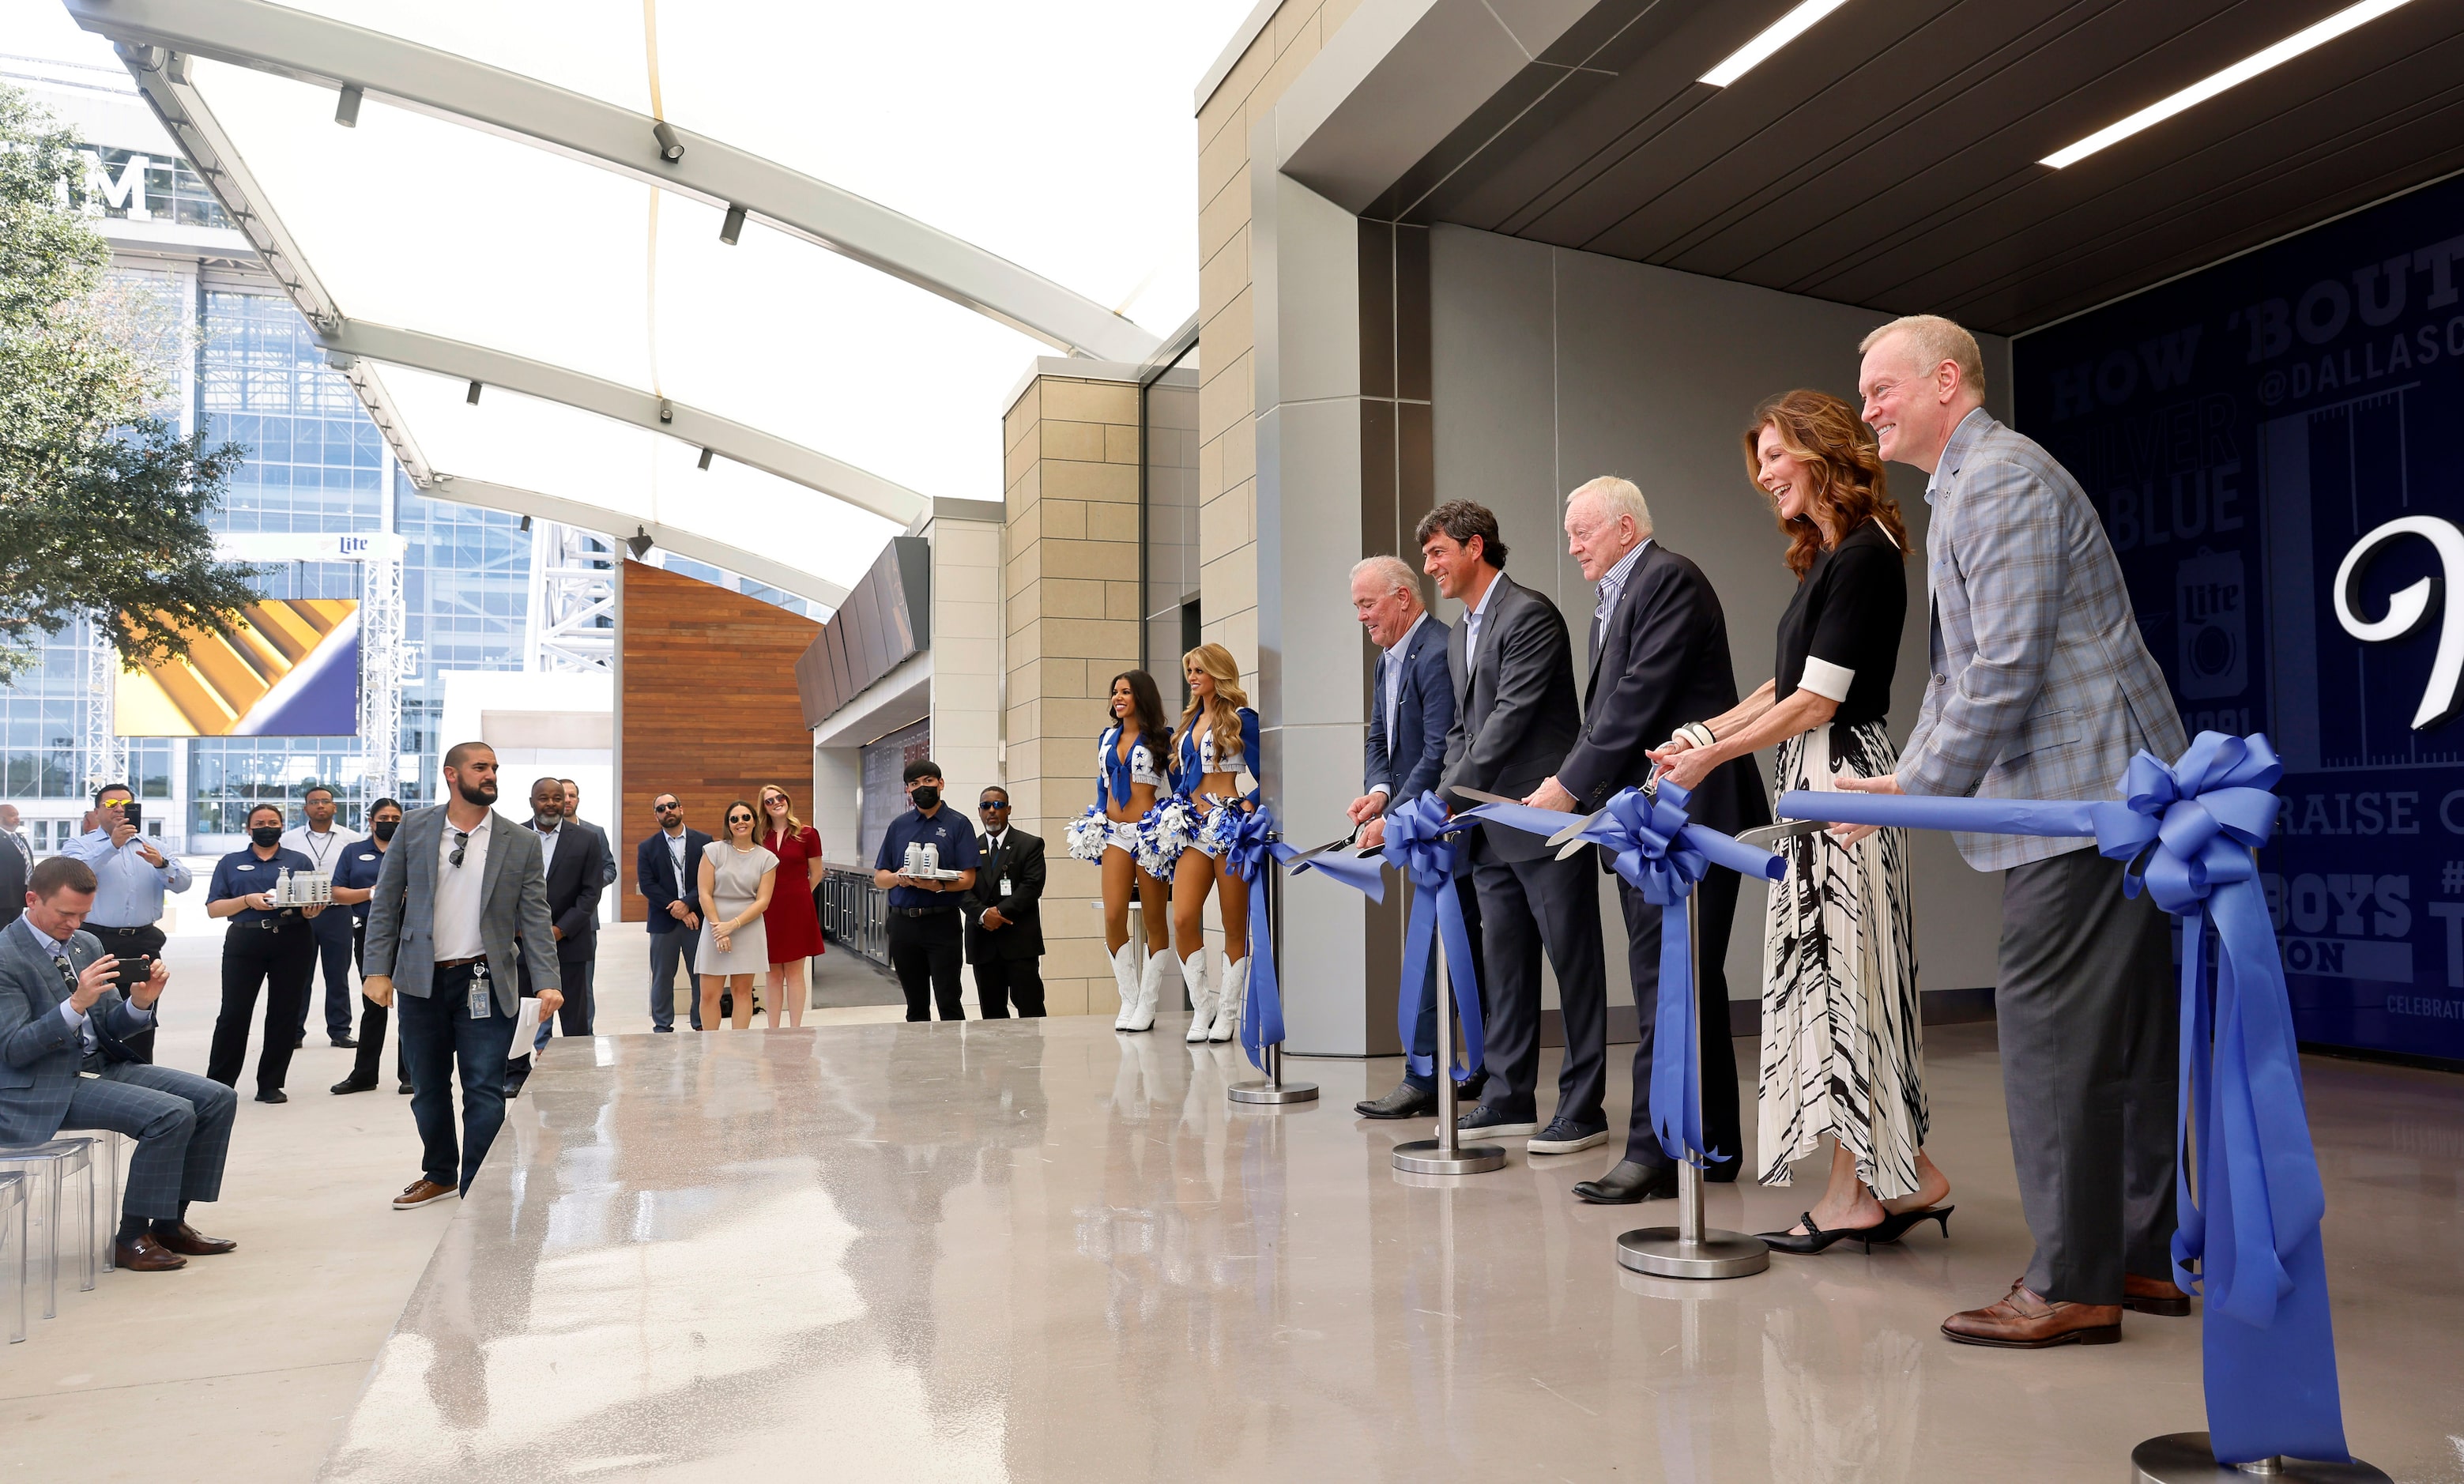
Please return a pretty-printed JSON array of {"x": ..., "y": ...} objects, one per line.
[
  {"x": 594, "y": 518},
  {"x": 768, "y": 452},
  {"x": 312, "y": 48}
]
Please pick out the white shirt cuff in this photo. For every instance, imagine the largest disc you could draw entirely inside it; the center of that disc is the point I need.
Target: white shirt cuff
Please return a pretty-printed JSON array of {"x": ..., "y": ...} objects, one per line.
[
  {"x": 1380, "y": 788},
  {"x": 1825, "y": 679}
]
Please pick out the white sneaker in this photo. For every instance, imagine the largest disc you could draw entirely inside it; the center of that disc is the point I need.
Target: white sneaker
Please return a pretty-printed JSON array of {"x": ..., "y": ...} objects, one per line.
[
  {"x": 1125, "y": 979},
  {"x": 1202, "y": 999},
  {"x": 1228, "y": 1007}
]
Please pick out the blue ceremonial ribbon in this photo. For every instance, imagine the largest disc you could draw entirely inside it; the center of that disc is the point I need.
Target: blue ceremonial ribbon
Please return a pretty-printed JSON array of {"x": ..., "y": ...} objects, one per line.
[
  {"x": 1249, "y": 846},
  {"x": 2248, "y": 1200},
  {"x": 1421, "y": 842},
  {"x": 1662, "y": 854}
]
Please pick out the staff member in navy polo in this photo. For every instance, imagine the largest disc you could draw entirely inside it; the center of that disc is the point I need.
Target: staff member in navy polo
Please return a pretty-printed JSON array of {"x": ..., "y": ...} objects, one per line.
[
  {"x": 267, "y": 946},
  {"x": 355, "y": 881},
  {"x": 928, "y": 932}
]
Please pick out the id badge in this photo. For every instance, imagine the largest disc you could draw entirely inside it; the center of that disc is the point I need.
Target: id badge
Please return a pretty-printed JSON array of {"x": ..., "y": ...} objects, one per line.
[
  {"x": 481, "y": 1000},
  {"x": 1004, "y": 886}
]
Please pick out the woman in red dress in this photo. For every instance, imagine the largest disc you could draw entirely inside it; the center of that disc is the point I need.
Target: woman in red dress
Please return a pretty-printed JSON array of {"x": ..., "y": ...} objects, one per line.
[{"x": 795, "y": 929}]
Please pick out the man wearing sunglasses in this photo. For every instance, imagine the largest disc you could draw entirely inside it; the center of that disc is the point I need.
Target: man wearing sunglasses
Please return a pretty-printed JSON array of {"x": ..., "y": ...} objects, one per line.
[
  {"x": 461, "y": 894},
  {"x": 666, "y": 870},
  {"x": 1005, "y": 929}
]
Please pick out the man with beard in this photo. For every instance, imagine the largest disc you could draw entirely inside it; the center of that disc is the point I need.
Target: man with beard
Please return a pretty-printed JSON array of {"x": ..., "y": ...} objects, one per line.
[{"x": 460, "y": 900}]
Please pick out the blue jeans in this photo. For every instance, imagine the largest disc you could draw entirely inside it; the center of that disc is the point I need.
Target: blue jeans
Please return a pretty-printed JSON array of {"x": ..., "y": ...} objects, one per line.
[{"x": 438, "y": 1036}]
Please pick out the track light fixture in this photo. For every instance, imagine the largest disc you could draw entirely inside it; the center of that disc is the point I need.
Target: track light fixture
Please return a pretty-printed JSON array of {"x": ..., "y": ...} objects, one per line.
[
  {"x": 346, "y": 108},
  {"x": 471, "y": 397},
  {"x": 526, "y": 523},
  {"x": 639, "y": 543},
  {"x": 705, "y": 460},
  {"x": 671, "y": 149},
  {"x": 733, "y": 228}
]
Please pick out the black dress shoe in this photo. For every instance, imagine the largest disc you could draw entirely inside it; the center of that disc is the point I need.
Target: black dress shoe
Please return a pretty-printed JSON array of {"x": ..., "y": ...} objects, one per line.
[
  {"x": 348, "y": 1084},
  {"x": 405, "y": 1087},
  {"x": 1404, "y": 1102},
  {"x": 345, "y": 1043},
  {"x": 1469, "y": 1088},
  {"x": 1629, "y": 1182},
  {"x": 270, "y": 1095}
]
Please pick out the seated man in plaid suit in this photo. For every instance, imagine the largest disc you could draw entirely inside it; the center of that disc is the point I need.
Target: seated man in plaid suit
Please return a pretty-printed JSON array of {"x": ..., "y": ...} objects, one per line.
[{"x": 61, "y": 1017}]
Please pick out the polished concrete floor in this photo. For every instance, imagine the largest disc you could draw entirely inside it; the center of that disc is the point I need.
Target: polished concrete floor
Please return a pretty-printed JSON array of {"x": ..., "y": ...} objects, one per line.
[{"x": 1039, "y": 1251}]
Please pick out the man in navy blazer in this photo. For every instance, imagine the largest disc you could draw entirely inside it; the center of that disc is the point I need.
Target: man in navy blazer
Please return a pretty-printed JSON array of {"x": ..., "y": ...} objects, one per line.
[
  {"x": 1411, "y": 708},
  {"x": 666, "y": 870}
]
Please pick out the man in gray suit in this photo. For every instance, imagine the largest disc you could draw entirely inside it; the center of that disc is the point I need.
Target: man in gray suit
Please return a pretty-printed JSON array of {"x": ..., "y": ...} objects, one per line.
[
  {"x": 62, "y": 1017},
  {"x": 1515, "y": 717},
  {"x": 2041, "y": 688},
  {"x": 460, "y": 895}
]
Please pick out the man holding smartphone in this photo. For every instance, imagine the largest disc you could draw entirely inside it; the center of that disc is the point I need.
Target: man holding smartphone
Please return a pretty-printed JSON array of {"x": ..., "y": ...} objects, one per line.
[{"x": 131, "y": 874}]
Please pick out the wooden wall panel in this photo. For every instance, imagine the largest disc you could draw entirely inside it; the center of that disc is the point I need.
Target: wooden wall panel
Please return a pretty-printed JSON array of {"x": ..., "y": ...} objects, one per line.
[{"x": 709, "y": 706}]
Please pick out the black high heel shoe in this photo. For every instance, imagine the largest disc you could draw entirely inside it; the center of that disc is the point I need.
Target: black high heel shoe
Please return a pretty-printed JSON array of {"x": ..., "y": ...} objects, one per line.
[
  {"x": 1815, "y": 1239},
  {"x": 1898, "y": 1224}
]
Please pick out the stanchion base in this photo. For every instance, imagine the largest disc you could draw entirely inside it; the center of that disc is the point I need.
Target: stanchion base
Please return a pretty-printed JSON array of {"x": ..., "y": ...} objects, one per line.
[
  {"x": 1660, "y": 1252},
  {"x": 1270, "y": 1092},
  {"x": 1421, "y": 1157},
  {"x": 2185, "y": 1458}
]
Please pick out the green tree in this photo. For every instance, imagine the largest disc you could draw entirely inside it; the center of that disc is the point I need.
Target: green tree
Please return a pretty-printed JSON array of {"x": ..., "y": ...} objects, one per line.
[{"x": 102, "y": 503}]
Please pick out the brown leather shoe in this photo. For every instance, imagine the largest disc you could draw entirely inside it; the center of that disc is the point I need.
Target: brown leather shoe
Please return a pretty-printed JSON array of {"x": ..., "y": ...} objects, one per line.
[
  {"x": 188, "y": 1239},
  {"x": 2154, "y": 1295},
  {"x": 2024, "y": 1322},
  {"x": 421, "y": 1193},
  {"x": 142, "y": 1253}
]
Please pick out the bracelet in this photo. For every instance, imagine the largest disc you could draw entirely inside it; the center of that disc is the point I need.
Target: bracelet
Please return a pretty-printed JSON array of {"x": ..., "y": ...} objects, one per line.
[{"x": 1698, "y": 734}]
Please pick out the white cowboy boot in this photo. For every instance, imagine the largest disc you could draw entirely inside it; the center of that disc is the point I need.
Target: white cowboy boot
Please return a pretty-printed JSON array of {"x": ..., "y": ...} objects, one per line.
[
  {"x": 1125, "y": 979},
  {"x": 1227, "y": 1009},
  {"x": 1142, "y": 1012},
  {"x": 1202, "y": 999}
]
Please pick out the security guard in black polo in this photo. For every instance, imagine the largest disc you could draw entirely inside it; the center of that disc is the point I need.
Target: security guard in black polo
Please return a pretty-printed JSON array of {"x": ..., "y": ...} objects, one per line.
[
  {"x": 265, "y": 945},
  {"x": 928, "y": 934}
]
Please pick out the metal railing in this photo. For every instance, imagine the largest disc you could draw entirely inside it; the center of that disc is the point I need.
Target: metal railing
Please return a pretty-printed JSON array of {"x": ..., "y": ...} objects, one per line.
[{"x": 855, "y": 912}]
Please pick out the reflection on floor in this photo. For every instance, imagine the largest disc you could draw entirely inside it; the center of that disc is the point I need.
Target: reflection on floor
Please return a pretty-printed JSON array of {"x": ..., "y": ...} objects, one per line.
[{"x": 1039, "y": 1251}]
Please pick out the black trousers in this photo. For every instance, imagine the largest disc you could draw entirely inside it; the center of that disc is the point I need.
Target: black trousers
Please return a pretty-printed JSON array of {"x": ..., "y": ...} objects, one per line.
[
  {"x": 1716, "y": 915},
  {"x": 333, "y": 935},
  {"x": 925, "y": 952},
  {"x": 1424, "y": 1030},
  {"x": 1523, "y": 906},
  {"x": 126, "y": 944},
  {"x": 999, "y": 981},
  {"x": 572, "y": 1015},
  {"x": 372, "y": 1023},
  {"x": 280, "y": 961}
]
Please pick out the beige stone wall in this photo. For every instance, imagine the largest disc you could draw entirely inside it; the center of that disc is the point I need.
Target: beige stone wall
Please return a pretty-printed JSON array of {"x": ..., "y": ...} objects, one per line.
[
  {"x": 1071, "y": 623},
  {"x": 1227, "y": 460}
]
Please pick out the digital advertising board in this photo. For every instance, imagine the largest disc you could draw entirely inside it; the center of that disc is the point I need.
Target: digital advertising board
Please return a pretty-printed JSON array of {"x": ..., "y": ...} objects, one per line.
[{"x": 292, "y": 669}]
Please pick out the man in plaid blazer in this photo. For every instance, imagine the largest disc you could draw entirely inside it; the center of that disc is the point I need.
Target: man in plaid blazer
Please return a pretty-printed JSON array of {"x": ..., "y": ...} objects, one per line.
[
  {"x": 2041, "y": 688},
  {"x": 65, "y": 1063}
]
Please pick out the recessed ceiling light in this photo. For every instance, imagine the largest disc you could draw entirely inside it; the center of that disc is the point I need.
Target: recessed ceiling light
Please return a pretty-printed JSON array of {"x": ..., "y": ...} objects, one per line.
[
  {"x": 2238, "y": 72},
  {"x": 1778, "y": 33}
]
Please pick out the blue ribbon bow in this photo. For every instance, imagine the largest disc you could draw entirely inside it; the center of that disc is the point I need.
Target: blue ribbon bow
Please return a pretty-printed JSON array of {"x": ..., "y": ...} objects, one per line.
[
  {"x": 2248, "y": 1199},
  {"x": 1248, "y": 847},
  {"x": 1421, "y": 842},
  {"x": 1662, "y": 854}
]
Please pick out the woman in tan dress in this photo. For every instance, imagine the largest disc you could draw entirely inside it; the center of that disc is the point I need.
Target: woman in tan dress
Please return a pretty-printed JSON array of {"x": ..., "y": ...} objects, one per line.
[{"x": 736, "y": 878}]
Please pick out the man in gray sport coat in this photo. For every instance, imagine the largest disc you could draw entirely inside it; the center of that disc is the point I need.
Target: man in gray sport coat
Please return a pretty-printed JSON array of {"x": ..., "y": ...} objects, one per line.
[
  {"x": 460, "y": 895},
  {"x": 2041, "y": 688},
  {"x": 60, "y": 1018}
]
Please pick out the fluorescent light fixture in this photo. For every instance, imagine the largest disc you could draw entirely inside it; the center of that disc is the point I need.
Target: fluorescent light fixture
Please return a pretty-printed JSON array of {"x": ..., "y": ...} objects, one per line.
[
  {"x": 1778, "y": 33},
  {"x": 2238, "y": 72}
]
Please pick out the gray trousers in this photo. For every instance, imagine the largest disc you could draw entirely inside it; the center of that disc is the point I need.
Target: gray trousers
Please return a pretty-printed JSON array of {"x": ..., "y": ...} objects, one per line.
[
  {"x": 667, "y": 950},
  {"x": 2088, "y": 1020},
  {"x": 182, "y": 1123}
]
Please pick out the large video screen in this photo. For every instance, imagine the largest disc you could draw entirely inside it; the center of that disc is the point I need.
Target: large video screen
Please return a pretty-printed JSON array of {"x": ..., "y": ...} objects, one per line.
[{"x": 291, "y": 670}]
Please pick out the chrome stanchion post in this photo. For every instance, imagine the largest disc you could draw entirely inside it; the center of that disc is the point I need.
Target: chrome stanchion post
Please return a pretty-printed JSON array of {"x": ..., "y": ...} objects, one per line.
[
  {"x": 1272, "y": 1089},
  {"x": 1686, "y": 1249},
  {"x": 1446, "y": 1155}
]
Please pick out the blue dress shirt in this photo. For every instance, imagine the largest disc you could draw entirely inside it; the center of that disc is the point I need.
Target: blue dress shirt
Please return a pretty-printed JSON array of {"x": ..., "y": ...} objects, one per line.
[{"x": 129, "y": 891}]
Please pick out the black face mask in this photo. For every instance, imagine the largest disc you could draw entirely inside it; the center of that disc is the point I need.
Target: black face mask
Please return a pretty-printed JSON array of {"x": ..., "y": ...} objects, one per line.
[
  {"x": 926, "y": 798},
  {"x": 384, "y": 829},
  {"x": 267, "y": 835}
]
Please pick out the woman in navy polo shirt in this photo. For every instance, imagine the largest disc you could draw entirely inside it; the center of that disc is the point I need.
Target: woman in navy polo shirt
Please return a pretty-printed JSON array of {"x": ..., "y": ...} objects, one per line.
[
  {"x": 355, "y": 883},
  {"x": 265, "y": 945}
]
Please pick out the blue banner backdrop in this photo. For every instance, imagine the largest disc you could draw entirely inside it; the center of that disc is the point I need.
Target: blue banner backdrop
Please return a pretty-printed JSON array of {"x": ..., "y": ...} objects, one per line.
[{"x": 2269, "y": 442}]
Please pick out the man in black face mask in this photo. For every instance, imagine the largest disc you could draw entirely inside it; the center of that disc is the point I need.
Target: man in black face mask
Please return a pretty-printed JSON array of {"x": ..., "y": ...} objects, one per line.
[
  {"x": 926, "y": 933},
  {"x": 354, "y": 881}
]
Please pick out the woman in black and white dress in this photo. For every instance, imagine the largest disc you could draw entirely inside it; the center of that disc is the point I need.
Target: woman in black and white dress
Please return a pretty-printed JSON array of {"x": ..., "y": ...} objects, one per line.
[{"x": 1842, "y": 1047}]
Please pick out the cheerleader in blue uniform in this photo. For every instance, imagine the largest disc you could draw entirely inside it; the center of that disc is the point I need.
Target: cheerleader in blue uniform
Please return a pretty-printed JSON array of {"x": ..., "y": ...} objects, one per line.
[
  {"x": 1217, "y": 749},
  {"x": 1132, "y": 764}
]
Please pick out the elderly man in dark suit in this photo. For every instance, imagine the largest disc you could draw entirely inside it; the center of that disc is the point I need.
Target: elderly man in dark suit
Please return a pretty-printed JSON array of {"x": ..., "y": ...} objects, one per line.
[
  {"x": 573, "y": 865},
  {"x": 1660, "y": 658},
  {"x": 65, "y": 1063},
  {"x": 460, "y": 899},
  {"x": 666, "y": 870},
  {"x": 1004, "y": 915},
  {"x": 1411, "y": 709},
  {"x": 1515, "y": 715}
]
